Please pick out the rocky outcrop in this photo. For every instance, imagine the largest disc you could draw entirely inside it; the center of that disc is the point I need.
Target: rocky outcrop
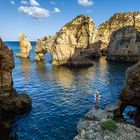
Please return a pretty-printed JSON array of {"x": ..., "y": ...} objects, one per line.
[
  {"x": 115, "y": 24},
  {"x": 91, "y": 127},
  {"x": 92, "y": 130},
  {"x": 131, "y": 92},
  {"x": 124, "y": 45},
  {"x": 72, "y": 45},
  {"x": 11, "y": 103},
  {"x": 130, "y": 95},
  {"x": 25, "y": 47}
]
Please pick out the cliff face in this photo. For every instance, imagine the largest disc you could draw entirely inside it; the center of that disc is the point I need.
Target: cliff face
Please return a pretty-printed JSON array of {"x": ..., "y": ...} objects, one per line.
[
  {"x": 131, "y": 92},
  {"x": 25, "y": 47},
  {"x": 6, "y": 66},
  {"x": 124, "y": 45},
  {"x": 72, "y": 45},
  {"x": 115, "y": 24},
  {"x": 11, "y": 103},
  {"x": 130, "y": 95}
]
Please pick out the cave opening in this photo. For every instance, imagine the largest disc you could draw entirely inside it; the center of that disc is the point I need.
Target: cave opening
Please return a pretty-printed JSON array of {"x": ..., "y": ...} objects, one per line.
[{"x": 129, "y": 114}]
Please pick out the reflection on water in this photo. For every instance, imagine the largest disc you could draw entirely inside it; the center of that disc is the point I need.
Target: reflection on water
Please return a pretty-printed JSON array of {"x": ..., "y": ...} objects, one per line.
[
  {"x": 63, "y": 76},
  {"x": 62, "y": 95},
  {"x": 25, "y": 66}
]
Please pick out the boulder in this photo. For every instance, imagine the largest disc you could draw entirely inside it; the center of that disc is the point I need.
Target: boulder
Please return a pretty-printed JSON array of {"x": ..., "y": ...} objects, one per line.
[
  {"x": 25, "y": 46},
  {"x": 73, "y": 45},
  {"x": 98, "y": 115}
]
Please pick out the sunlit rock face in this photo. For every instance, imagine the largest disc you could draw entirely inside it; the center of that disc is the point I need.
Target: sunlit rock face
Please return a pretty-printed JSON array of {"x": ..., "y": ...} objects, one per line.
[
  {"x": 130, "y": 95},
  {"x": 25, "y": 46},
  {"x": 72, "y": 45},
  {"x": 116, "y": 22},
  {"x": 124, "y": 45},
  {"x": 11, "y": 103}
]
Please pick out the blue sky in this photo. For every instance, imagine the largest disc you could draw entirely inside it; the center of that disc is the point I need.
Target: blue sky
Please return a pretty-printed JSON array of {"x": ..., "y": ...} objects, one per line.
[{"x": 37, "y": 18}]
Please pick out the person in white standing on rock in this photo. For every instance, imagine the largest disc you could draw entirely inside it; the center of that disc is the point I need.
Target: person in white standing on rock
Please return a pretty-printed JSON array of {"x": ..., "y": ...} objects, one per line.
[{"x": 97, "y": 100}]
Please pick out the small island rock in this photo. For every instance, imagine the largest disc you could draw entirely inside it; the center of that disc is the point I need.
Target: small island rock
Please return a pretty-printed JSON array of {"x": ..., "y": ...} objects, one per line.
[{"x": 25, "y": 46}]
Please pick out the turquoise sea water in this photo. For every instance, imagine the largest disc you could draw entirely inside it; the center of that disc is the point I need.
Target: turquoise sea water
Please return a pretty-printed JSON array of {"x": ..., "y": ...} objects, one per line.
[{"x": 61, "y": 95}]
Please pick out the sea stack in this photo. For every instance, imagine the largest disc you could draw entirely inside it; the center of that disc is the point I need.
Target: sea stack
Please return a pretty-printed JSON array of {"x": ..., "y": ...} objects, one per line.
[
  {"x": 25, "y": 46},
  {"x": 11, "y": 103},
  {"x": 73, "y": 45}
]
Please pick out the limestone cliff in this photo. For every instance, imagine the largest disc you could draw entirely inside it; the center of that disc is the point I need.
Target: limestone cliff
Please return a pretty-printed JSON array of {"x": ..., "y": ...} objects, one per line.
[
  {"x": 11, "y": 103},
  {"x": 115, "y": 24},
  {"x": 124, "y": 45},
  {"x": 25, "y": 46},
  {"x": 72, "y": 45}
]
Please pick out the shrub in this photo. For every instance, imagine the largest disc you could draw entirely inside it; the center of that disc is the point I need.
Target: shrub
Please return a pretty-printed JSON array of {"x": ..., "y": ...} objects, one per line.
[{"x": 109, "y": 125}]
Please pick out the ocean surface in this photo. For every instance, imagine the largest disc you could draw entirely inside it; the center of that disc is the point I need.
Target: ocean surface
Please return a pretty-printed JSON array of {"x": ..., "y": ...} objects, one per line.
[{"x": 61, "y": 95}]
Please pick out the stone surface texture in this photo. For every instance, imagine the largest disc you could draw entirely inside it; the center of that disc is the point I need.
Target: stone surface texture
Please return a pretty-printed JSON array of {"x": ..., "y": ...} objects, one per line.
[
  {"x": 11, "y": 103},
  {"x": 121, "y": 35},
  {"x": 72, "y": 45},
  {"x": 25, "y": 46}
]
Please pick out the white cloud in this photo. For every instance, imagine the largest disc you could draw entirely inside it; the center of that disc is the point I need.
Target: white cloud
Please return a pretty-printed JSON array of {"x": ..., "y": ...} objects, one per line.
[
  {"x": 12, "y": 2},
  {"x": 85, "y": 2},
  {"x": 35, "y": 12},
  {"x": 34, "y": 3},
  {"x": 56, "y": 10},
  {"x": 24, "y": 2}
]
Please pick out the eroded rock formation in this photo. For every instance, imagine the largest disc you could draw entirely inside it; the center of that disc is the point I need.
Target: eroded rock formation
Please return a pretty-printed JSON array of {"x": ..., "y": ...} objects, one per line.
[
  {"x": 78, "y": 41},
  {"x": 25, "y": 46},
  {"x": 116, "y": 22},
  {"x": 124, "y": 45},
  {"x": 11, "y": 103},
  {"x": 72, "y": 45},
  {"x": 130, "y": 96}
]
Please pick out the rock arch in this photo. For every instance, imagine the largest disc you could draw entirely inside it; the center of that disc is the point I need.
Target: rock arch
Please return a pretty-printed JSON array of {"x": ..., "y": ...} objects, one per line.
[{"x": 72, "y": 45}]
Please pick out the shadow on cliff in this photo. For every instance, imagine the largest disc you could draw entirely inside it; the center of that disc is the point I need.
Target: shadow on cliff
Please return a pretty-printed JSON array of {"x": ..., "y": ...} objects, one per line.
[
  {"x": 84, "y": 57},
  {"x": 124, "y": 45}
]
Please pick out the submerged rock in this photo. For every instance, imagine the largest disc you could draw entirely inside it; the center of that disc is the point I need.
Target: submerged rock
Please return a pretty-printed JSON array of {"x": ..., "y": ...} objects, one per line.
[
  {"x": 25, "y": 47},
  {"x": 125, "y": 41},
  {"x": 11, "y": 103},
  {"x": 72, "y": 45}
]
